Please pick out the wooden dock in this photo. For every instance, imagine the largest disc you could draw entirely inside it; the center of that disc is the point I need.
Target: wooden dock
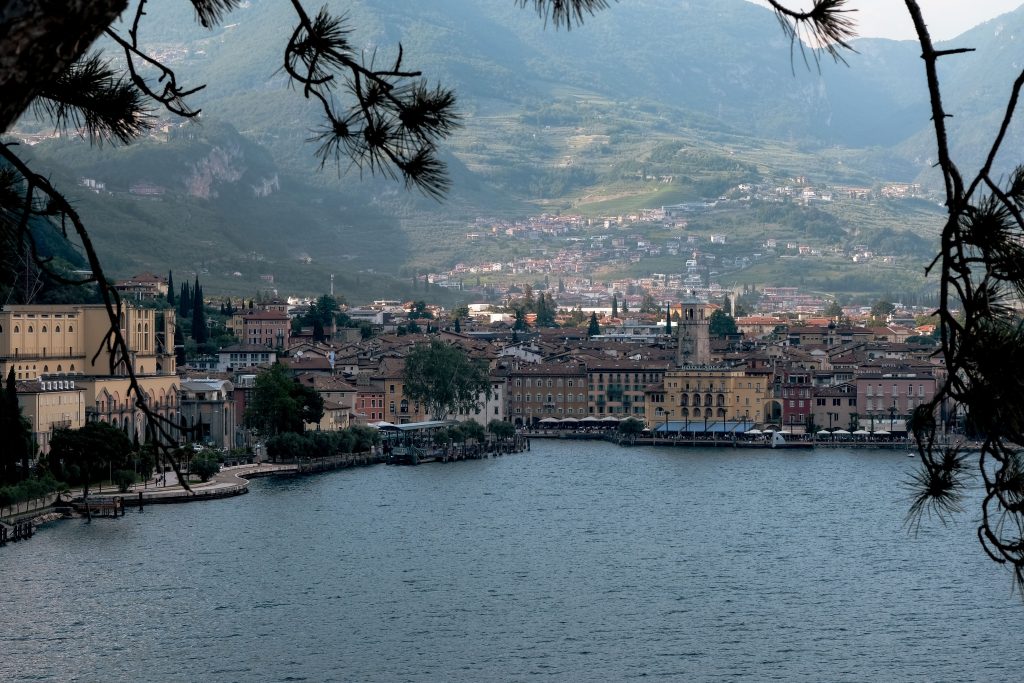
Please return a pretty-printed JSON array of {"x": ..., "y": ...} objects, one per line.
[{"x": 19, "y": 531}]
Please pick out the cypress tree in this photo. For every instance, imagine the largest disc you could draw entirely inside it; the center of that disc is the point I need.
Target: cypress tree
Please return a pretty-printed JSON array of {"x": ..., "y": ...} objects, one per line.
[
  {"x": 170, "y": 287},
  {"x": 8, "y": 404},
  {"x": 615, "y": 307},
  {"x": 185, "y": 301},
  {"x": 668, "y": 319},
  {"x": 199, "y": 332},
  {"x": 594, "y": 328},
  {"x": 17, "y": 433},
  {"x": 458, "y": 326}
]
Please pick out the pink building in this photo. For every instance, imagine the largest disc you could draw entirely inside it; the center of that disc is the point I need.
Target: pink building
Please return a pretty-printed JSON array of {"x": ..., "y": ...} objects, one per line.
[
  {"x": 266, "y": 328},
  {"x": 887, "y": 394}
]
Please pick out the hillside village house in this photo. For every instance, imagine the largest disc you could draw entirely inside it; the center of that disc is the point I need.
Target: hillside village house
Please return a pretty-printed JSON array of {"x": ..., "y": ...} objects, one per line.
[{"x": 144, "y": 286}]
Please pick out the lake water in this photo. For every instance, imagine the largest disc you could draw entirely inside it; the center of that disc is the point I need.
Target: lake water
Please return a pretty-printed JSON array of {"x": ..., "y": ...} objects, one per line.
[{"x": 575, "y": 561}]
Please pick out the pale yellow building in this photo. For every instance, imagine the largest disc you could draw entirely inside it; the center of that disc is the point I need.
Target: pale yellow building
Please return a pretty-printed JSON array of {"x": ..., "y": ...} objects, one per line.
[
  {"x": 706, "y": 393},
  {"x": 61, "y": 342},
  {"x": 50, "y": 405}
]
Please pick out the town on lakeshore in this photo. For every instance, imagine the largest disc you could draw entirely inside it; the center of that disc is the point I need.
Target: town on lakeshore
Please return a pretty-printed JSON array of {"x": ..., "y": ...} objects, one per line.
[{"x": 730, "y": 367}]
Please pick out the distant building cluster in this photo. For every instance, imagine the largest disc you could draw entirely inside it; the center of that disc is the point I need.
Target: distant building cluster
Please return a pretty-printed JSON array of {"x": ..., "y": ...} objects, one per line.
[{"x": 799, "y": 375}]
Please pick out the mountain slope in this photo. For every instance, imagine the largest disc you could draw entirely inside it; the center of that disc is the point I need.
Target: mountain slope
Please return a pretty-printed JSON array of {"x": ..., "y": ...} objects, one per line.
[{"x": 703, "y": 91}]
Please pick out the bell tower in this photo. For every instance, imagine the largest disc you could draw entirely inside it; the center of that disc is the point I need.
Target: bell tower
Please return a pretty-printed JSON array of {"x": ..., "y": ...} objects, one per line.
[{"x": 694, "y": 338}]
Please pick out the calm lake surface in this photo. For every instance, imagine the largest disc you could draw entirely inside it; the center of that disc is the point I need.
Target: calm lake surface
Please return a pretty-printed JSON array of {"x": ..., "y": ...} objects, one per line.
[{"x": 575, "y": 561}]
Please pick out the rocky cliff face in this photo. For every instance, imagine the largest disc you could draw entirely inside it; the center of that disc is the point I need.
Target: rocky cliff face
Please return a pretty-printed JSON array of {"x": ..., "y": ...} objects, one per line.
[{"x": 223, "y": 164}]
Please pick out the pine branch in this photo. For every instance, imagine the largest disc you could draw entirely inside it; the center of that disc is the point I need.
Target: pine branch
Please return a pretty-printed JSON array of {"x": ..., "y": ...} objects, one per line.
[
  {"x": 211, "y": 12},
  {"x": 91, "y": 95},
  {"x": 823, "y": 28},
  {"x": 381, "y": 119},
  {"x": 565, "y": 13}
]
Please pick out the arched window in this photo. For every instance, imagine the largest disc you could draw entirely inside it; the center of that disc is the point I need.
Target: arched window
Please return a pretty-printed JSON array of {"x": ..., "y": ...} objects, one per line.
[
  {"x": 46, "y": 368},
  {"x": 71, "y": 328},
  {"x": 30, "y": 329},
  {"x": 72, "y": 368},
  {"x": 59, "y": 369},
  {"x": 696, "y": 401},
  {"x": 686, "y": 412},
  {"x": 17, "y": 329},
  {"x": 721, "y": 412},
  {"x": 56, "y": 328},
  {"x": 138, "y": 327},
  {"x": 44, "y": 329}
]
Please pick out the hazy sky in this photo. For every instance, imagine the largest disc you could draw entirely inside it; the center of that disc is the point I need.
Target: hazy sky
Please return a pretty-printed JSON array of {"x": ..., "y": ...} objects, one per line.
[{"x": 945, "y": 18}]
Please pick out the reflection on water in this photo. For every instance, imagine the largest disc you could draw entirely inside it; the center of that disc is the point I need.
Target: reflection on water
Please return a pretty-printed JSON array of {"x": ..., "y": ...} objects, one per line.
[{"x": 573, "y": 561}]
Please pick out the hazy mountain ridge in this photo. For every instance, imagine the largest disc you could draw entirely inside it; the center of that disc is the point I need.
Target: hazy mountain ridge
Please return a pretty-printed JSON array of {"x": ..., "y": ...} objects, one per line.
[{"x": 550, "y": 117}]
